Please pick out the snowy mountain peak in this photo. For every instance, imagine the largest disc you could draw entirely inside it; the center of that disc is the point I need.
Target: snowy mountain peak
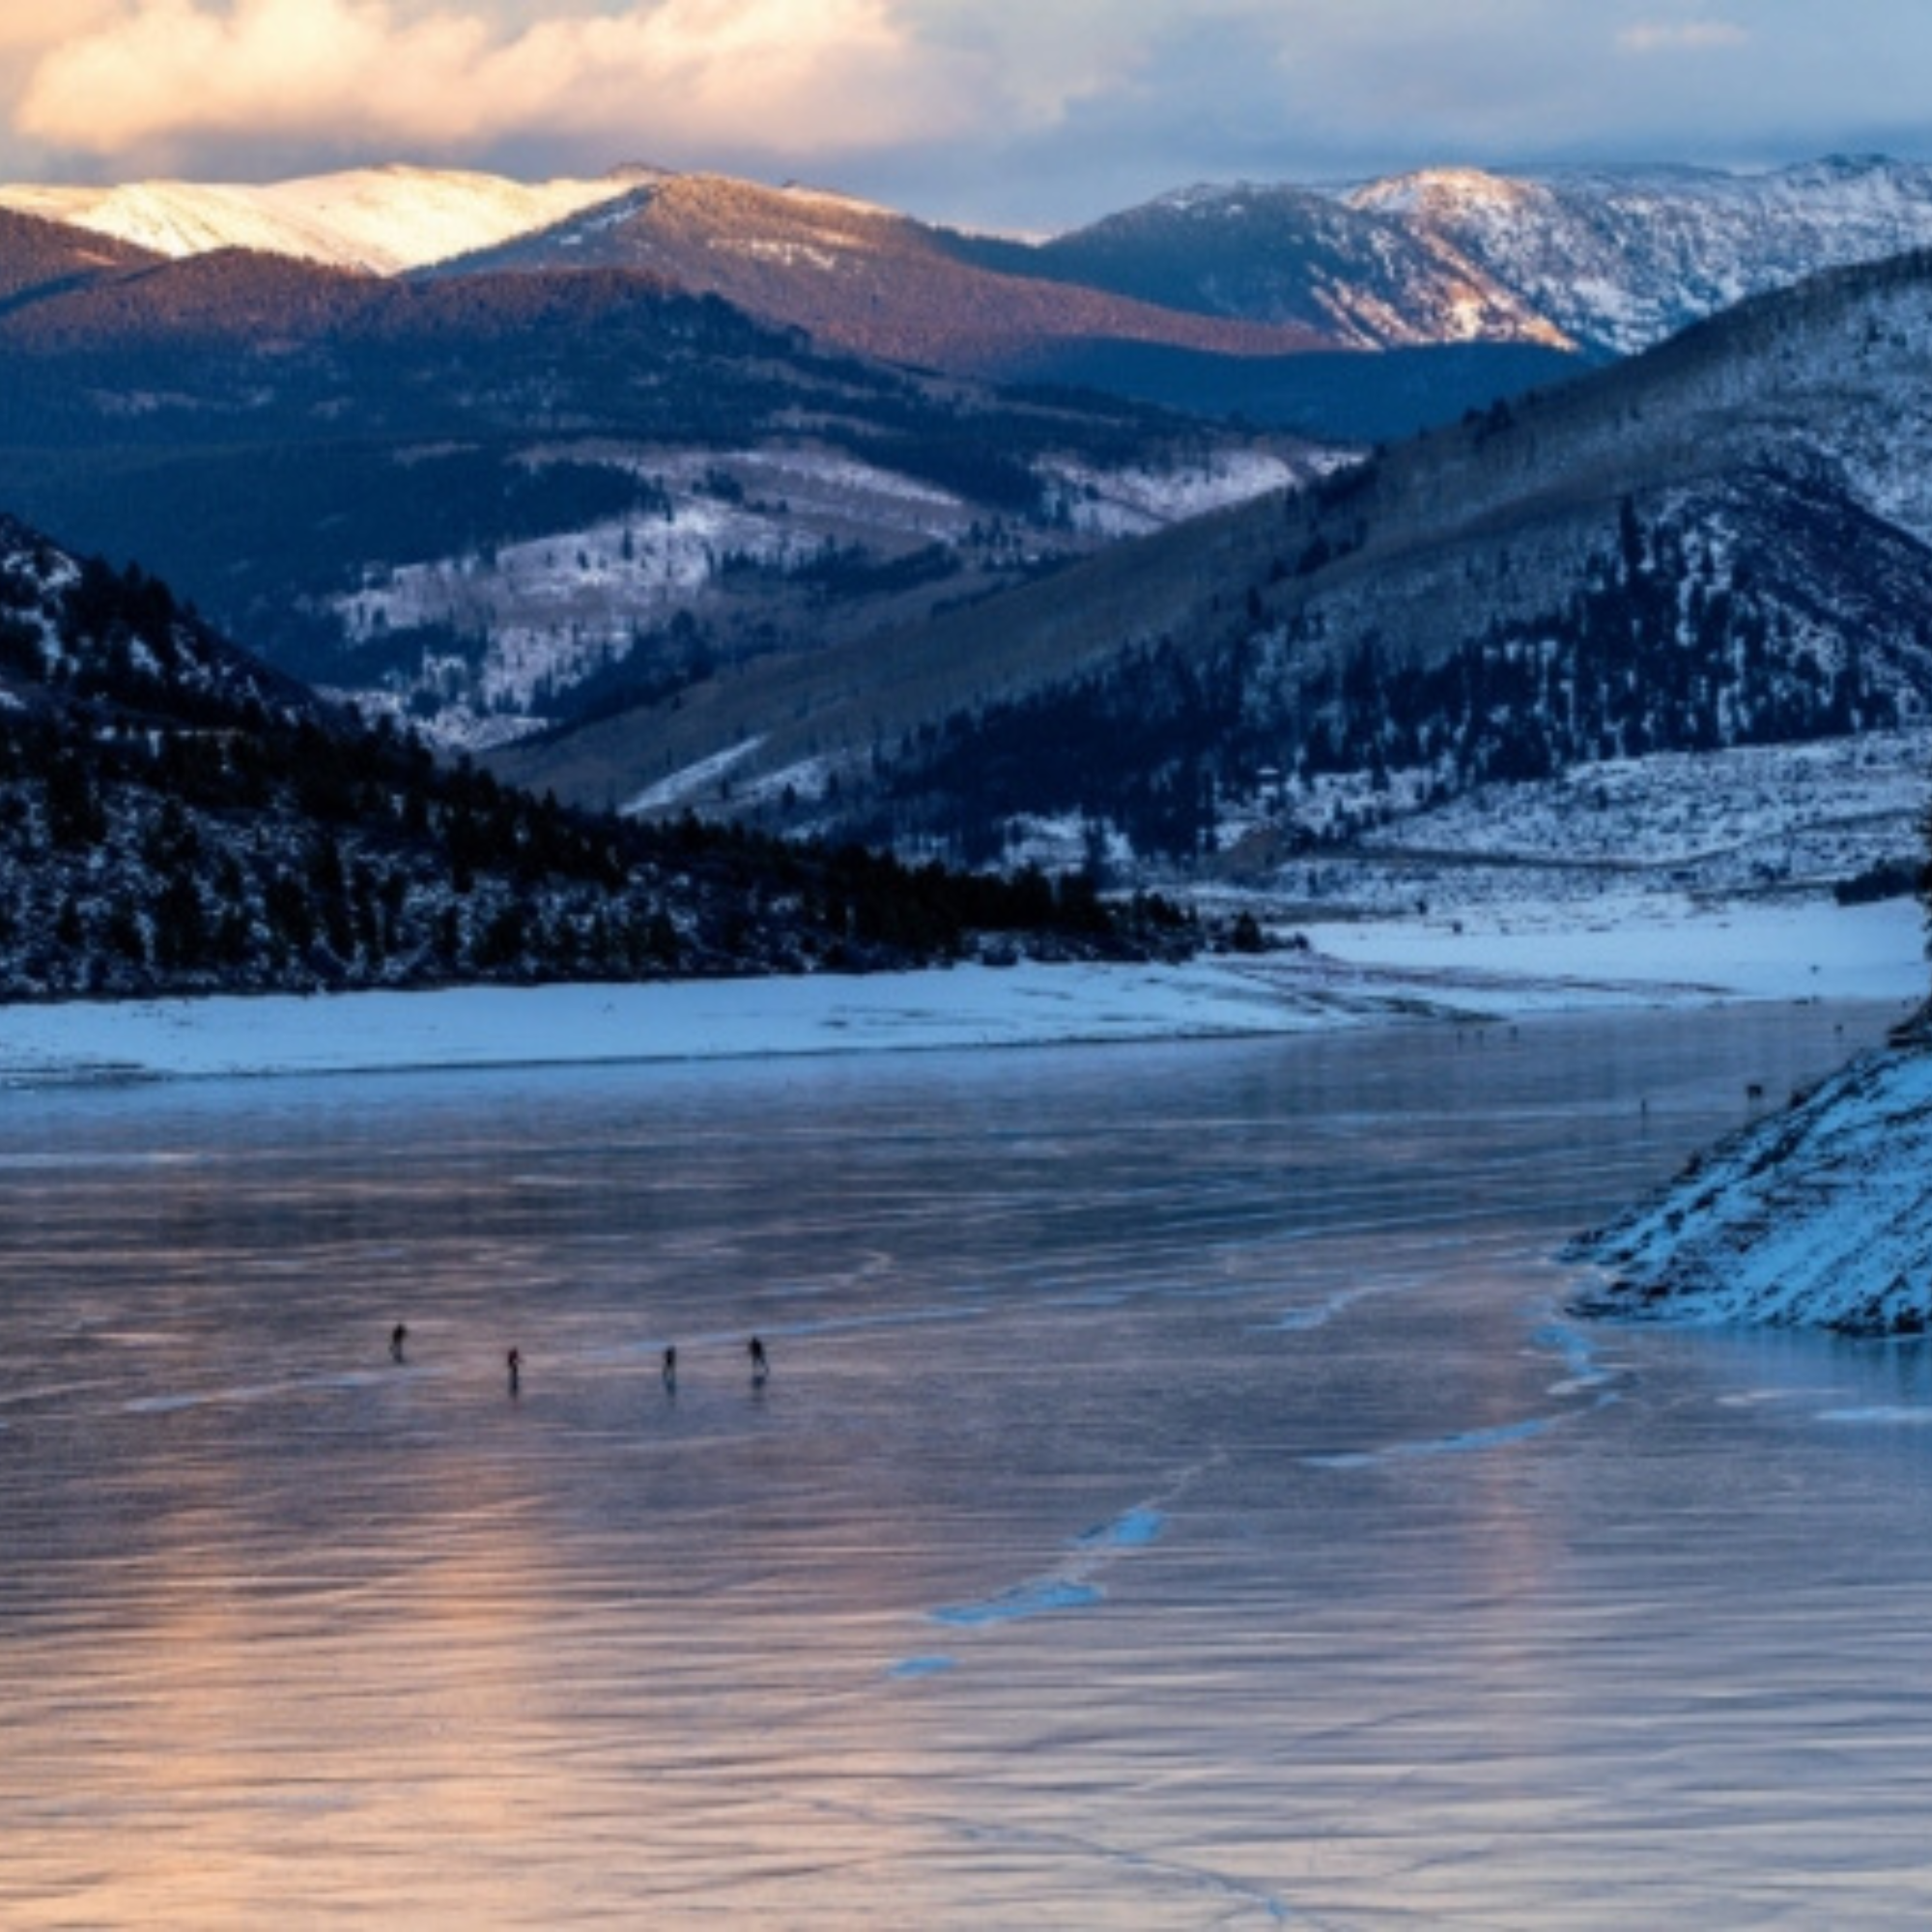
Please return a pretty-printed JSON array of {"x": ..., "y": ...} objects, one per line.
[
  {"x": 1433, "y": 193},
  {"x": 1619, "y": 258},
  {"x": 386, "y": 220}
]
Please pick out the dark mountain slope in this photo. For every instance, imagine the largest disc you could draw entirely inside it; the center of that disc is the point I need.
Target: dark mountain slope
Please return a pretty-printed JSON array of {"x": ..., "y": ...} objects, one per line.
[
  {"x": 277, "y": 435},
  {"x": 1721, "y": 542},
  {"x": 39, "y": 259}
]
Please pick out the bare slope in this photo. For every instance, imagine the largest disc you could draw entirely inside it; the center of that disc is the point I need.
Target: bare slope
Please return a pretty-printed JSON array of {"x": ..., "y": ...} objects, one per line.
[{"x": 869, "y": 279}]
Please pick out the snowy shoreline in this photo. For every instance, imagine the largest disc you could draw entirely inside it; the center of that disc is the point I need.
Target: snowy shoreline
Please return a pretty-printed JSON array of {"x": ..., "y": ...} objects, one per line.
[{"x": 1648, "y": 952}]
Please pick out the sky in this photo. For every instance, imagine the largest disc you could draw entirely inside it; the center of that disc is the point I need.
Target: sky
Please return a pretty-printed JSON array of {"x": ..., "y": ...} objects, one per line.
[{"x": 1019, "y": 115}]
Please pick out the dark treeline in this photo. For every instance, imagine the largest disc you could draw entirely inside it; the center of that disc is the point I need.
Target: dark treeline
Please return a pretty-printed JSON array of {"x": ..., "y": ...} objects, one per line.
[
  {"x": 1664, "y": 646},
  {"x": 174, "y": 816}
]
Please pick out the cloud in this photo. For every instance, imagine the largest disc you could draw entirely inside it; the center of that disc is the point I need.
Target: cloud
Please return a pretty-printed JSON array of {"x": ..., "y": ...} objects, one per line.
[
  {"x": 1649, "y": 36},
  {"x": 1022, "y": 112},
  {"x": 165, "y": 76}
]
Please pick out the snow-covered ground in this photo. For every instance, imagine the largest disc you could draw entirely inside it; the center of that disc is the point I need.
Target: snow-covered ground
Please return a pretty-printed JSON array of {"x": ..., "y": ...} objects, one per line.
[
  {"x": 1646, "y": 949},
  {"x": 1735, "y": 819},
  {"x": 1760, "y": 818},
  {"x": 1654, "y": 953},
  {"x": 1752, "y": 820}
]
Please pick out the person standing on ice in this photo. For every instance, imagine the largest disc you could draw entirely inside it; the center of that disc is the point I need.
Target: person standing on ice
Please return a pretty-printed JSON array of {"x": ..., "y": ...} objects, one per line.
[
  {"x": 760, "y": 1368},
  {"x": 671, "y": 1370},
  {"x": 515, "y": 1363},
  {"x": 398, "y": 1335}
]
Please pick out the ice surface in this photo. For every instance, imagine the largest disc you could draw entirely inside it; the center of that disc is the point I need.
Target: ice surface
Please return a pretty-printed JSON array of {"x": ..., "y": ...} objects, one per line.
[{"x": 289, "y": 1633}]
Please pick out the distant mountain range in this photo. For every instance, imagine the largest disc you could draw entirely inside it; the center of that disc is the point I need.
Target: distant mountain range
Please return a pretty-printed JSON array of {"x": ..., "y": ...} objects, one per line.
[
  {"x": 501, "y": 496},
  {"x": 705, "y": 492},
  {"x": 386, "y": 220},
  {"x": 1597, "y": 262}
]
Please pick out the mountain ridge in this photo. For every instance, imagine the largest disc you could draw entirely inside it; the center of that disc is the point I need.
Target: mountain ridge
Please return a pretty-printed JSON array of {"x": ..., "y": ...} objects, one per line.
[
  {"x": 1599, "y": 260},
  {"x": 470, "y": 495},
  {"x": 600, "y": 409}
]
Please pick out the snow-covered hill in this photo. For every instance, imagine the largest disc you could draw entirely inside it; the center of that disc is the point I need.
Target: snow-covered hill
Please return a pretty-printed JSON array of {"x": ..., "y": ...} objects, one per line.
[
  {"x": 175, "y": 817},
  {"x": 1367, "y": 278},
  {"x": 740, "y": 535},
  {"x": 386, "y": 220},
  {"x": 1724, "y": 544}
]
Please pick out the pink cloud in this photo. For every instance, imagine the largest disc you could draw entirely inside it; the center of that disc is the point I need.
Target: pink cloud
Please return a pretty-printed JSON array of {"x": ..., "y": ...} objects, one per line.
[{"x": 801, "y": 74}]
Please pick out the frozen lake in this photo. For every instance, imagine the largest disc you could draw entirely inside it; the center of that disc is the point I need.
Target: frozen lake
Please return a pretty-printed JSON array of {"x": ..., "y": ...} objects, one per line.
[{"x": 1177, "y": 1500}]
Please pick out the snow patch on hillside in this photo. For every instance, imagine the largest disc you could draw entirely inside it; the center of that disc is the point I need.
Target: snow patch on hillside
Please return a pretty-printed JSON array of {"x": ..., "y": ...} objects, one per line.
[
  {"x": 1130, "y": 502},
  {"x": 1756, "y": 822},
  {"x": 703, "y": 776},
  {"x": 540, "y": 615},
  {"x": 1742, "y": 820}
]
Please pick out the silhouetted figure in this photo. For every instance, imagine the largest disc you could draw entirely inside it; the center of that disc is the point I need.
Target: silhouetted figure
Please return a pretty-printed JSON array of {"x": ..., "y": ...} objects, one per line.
[
  {"x": 398, "y": 1335},
  {"x": 671, "y": 1370},
  {"x": 760, "y": 1368},
  {"x": 516, "y": 1367}
]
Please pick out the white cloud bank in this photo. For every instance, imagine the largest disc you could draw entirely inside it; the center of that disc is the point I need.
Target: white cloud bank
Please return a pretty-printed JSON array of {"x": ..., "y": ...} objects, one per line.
[
  {"x": 1003, "y": 110},
  {"x": 780, "y": 74}
]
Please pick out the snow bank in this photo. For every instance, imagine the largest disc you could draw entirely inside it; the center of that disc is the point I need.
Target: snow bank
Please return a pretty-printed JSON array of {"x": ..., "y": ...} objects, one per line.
[
  {"x": 1361, "y": 975},
  {"x": 1814, "y": 1217},
  {"x": 493, "y": 1026}
]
